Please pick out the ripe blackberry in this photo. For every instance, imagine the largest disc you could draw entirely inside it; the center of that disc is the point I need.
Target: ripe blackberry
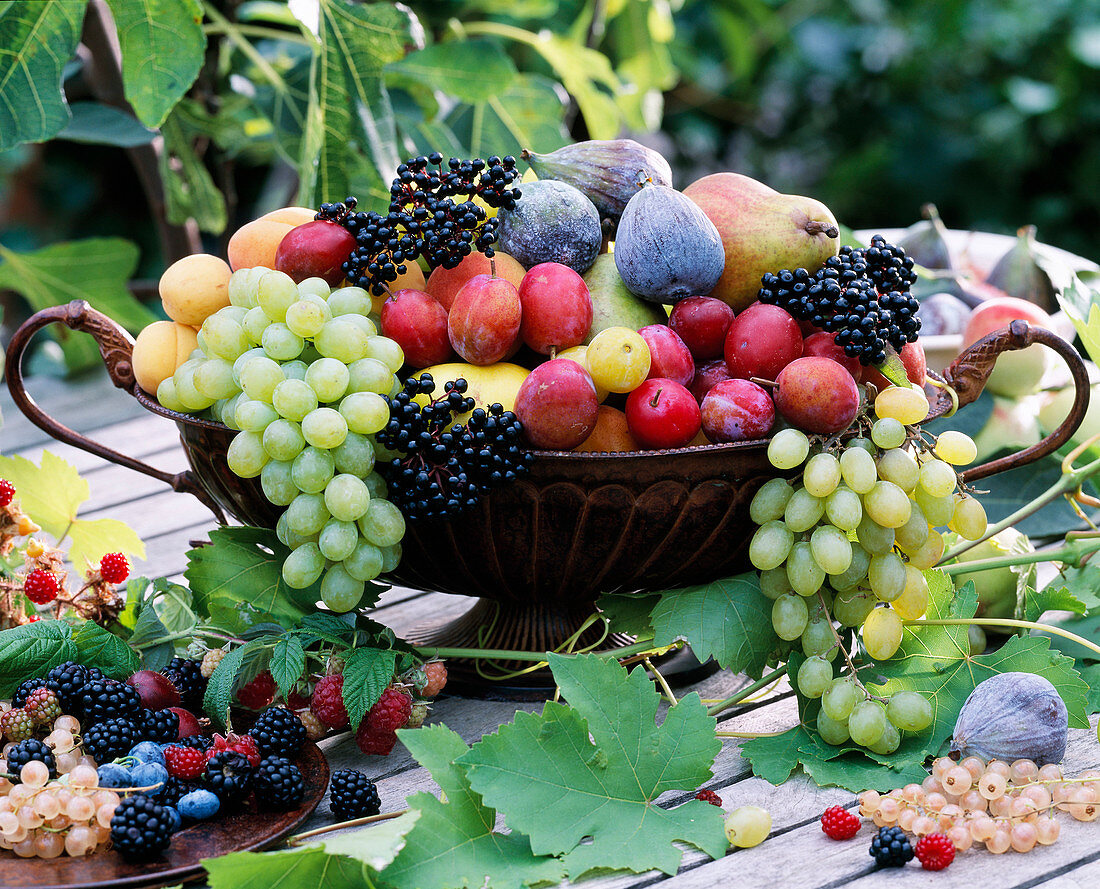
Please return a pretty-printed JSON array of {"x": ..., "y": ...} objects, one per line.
[
  {"x": 67, "y": 681},
  {"x": 278, "y": 732},
  {"x": 16, "y": 724},
  {"x": 444, "y": 469},
  {"x": 352, "y": 795},
  {"x": 934, "y": 851},
  {"x": 109, "y": 739},
  {"x": 42, "y": 706},
  {"x": 709, "y": 796},
  {"x": 278, "y": 783},
  {"x": 7, "y": 492},
  {"x": 41, "y": 586},
  {"x": 28, "y": 751},
  {"x": 890, "y": 847},
  {"x": 327, "y": 702},
  {"x": 114, "y": 568},
  {"x": 187, "y": 677},
  {"x": 19, "y": 697},
  {"x": 838, "y": 823},
  {"x": 174, "y": 790},
  {"x": 103, "y": 699},
  {"x": 229, "y": 776},
  {"x": 161, "y": 726},
  {"x": 140, "y": 828},
  {"x": 196, "y": 742}
]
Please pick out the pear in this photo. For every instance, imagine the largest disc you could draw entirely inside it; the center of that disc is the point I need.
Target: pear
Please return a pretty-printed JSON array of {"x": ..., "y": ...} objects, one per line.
[
  {"x": 612, "y": 304},
  {"x": 762, "y": 231}
]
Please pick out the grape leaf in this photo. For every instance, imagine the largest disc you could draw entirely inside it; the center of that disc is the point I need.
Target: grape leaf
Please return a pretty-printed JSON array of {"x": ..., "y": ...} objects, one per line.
[
  {"x": 629, "y": 613},
  {"x": 453, "y": 844},
  {"x": 469, "y": 70},
  {"x": 728, "y": 620},
  {"x": 189, "y": 188},
  {"x": 559, "y": 787},
  {"x": 102, "y": 124},
  {"x": 36, "y": 42},
  {"x": 1083, "y": 583},
  {"x": 288, "y": 660},
  {"x": 99, "y": 648},
  {"x": 51, "y": 493},
  {"x": 775, "y": 757},
  {"x": 237, "y": 580},
  {"x": 1052, "y": 598},
  {"x": 31, "y": 650},
  {"x": 367, "y": 672}
]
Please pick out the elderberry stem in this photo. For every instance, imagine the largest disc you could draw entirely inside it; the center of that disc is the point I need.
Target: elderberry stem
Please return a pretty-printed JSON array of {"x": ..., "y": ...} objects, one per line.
[
  {"x": 1004, "y": 622},
  {"x": 1071, "y": 552},
  {"x": 499, "y": 654},
  {"x": 748, "y": 691}
]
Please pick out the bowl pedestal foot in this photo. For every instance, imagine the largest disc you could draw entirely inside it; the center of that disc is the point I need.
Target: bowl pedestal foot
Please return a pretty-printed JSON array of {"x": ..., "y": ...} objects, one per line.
[{"x": 527, "y": 627}]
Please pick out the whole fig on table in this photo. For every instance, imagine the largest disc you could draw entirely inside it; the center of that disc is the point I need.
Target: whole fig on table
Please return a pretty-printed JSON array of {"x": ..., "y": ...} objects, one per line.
[
  {"x": 606, "y": 170},
  {"x": 1012, "y": 716},
  {"x": 551, "y": 222}
]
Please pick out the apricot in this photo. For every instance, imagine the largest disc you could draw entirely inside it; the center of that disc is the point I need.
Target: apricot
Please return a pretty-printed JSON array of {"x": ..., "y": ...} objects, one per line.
[
  {"x": 194, "y": 287},
  {"x": 611, "y": 434},
  {"x": 160, "y": 348},
  {"x": 291, "y": 215},
  {"x": 256, "y": 243}
]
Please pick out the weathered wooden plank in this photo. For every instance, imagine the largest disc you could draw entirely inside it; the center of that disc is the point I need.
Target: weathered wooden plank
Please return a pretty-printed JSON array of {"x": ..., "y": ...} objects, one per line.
[
  {"x": 1079, "y": 876},
  {"x": 135, "y": 437}
]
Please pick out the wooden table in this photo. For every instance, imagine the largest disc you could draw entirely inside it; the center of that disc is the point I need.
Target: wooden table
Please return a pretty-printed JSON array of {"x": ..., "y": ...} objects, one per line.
[{"x": 796, "y": 856}]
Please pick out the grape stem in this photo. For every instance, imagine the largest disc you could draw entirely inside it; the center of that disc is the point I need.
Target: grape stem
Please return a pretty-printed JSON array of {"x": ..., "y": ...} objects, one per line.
[
  {"x": 354, "y": 822},
  {"x": 505, "y": 655},
  {"x": 1074, "y": 553},
  {"x": 748, "y": 691},
  {"x": 1004, "y": 622},
  {"x": 844, "y": 651}
]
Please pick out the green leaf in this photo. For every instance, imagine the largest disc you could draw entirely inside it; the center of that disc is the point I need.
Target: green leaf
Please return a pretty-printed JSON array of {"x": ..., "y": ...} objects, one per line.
[
  {"x": 530, "y": 112},
  {"x": 222, "y": 682},
  {"x": 237, "y": 580},
  {"x": 1090, "y": 673},
  {"x": 775, "y": 757},
  {"x": 375, "y": 845},
  {"x": 189, "y": 188},
  {"x": 91, "y": 539},
  {"x": 1087, "y": 627},
  {"x": 1052, "y": 598},
  {"x": 470, "y": 70},
  {"x": 163, "y": 47},
  {"x": 99, "y": 648},
  {"x": 629, "y": 613},
  {"x": 559, "y": 787},
  {"x": 32, "y": 650},
  {"x": 49, "y": 493},
  {"x": 728, "y": 620},
  {"x": 308, "y": 867},
  {"x": 94, "y": 269},
  {"x": 36, "y": 42},
  {"x": 1014, "y": 488},
  {"x": 1083, "y": 583},
  {"x": 288, "y": 660},
  {"x": 367, "y": 672},
  {"x": 101, "y": 124},
  {"x": 453, "y": 844}
]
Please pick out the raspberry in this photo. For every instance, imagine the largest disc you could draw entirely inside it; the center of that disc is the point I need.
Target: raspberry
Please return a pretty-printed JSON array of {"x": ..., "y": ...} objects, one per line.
[
  {"x": 418, "y": 714},
  {"x": 7, "y": 492},
  {"x": 709, "y": 796},
  {"x": 890, "y": 847},
  {"x": 210, "y": 662},
  {"x": 352, "y": 795},
  {"x": 43, "y": 706},
  {"x": 41, "y": 586},
  {"x": 16, "y": 724},
  {"x": 114, "y": 568},
  {"x": 184, "y": 762},
  {"x": 935, "y": 851},
  {"x": 258, "y": 693},
  {"x": 315, "y": 729},
  {"x": 242, "y": 744},
  {"x": 327, "y": 702},
  {"x": 391, "y": 712},
  {"x": 372, "y": 741},
  {"x": 839, "y": 824},
  {"x": 296, "y": 700},
  {"x": 436, "y": 672}
]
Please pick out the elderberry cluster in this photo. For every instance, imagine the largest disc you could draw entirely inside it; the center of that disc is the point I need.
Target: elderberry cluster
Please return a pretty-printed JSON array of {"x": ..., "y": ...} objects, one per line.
[
  {"x": 444, "y": 468},
  {"x": 862, "y": 296},
  {"x": 431, "y": 214}
]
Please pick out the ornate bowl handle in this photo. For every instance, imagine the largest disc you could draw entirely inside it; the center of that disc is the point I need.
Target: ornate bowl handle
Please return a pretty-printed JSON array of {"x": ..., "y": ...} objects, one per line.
[
  {"x": 116, "y": 347},
  {"x": 968, "y": 373}
]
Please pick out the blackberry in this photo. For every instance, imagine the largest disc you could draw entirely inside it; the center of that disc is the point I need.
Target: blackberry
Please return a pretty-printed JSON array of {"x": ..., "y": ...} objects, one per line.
[
  {"x": 278, "y": 783},
  {"x": 861, "y": 296},
  {"x": 444, "y": 469},
  {"x": 19, "y": 698},
  {"x": 427, "y": 217},
  {"x": 140, "y": 828},
  {"x": 67, "y": 681},
  {"x": 890, "y": 847},
  {"x": 174, "y": 790},
  {"x": 27, "y": 751},
  {"x": 103, "y": 699},
  {"x": 278, "y": 732},
  {"x": 109, "y": 739},
  {"x": 352, "y": 795},
  {"x": 198, "y": 742},
  {"x": 161, "y": 726},
  {"x": 229, "y": 776},
  {"x": 187, "y": 677}
]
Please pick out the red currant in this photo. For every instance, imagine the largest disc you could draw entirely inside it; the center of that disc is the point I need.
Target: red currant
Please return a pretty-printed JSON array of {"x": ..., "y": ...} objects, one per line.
[
  {"x": 114, "y": 568},
  {"x": 41, "y": 586}
]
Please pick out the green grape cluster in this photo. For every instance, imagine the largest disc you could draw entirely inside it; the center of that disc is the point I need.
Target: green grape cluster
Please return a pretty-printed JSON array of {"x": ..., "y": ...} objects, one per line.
[{"x": 300, "y": 372}]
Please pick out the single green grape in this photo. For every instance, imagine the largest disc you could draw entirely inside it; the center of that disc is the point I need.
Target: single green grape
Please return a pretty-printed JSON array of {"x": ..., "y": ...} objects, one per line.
[
  {"x": 281, "y": 343},
  {"x": 857, "y": 468},
  {"x": 347, "y": 498},
  {"x": 259, "y": 376},
  {"x": 803, "y": 572},
  {"x": 867, "y": 722},
  {"x": 956, "y": 448},
  {"x": 275, "y": 293},
  {"x": 370, "y": 375},
  {"x": 774, "y": 583},
  {"x": 832, "y": 731},
  {"x": 385, "y": 350},
  {"x": 214, "y": 379},
  {"x": 303, "y": 566},
  {"x": 814, "y": 676},
  {"x": 283, "y": 440},
  {"x": 365, "y": 412},
  {"x": 770, "y": 501},
  {"x": 748, "y": 826},
  {"x": 349, "y": 301},
  {"x": 315, "y": 287},
  {"x": 355, "y": 455},
  {"x": 888, "y": 433},
  {"x": 324, "y": 428},
  {"x": 788, "y": 449},
  {"x": 844, "y": 508},
  {"x": 365, "y": 563},
  {"x": 886, "y": 575},
  {"x": 789, "y": 616},
  {"x": 277, "y": 483},
  {"x": 840, "y": 697},
  {"x": 803, "y": 511},
  {"x": 391, "y": 557},
  {"x": 338, "y": 539},
  {"x": 898, "y": 466},
  {"x": 937, "y": 478},
  {"x": 224, "y": 335},
  {"x": 819, "y": 640},
  {"x": 306, "y": 318},
  {"x": 873, "y": 537},
  {"x": 382, "y": 524},
  {"x": 882, "y": 633},
  {"x": 888, "y": 743},
  {"x": 852, "y": 606},
  {"x": 254, "y": 324},
  {"x": 856, "y": 571},
  {"x": 312, "y": 469},
  {"x": 342, "y": 340},
  {"x": 831, "y": 549},
  {"x": 328, "y": 378},
  {"x": 769, "y": 545},
  {"x": 821, "y": 474},
  {"x": 909, "y": 711},
  {"x": 293, "y": 399},
  {"x": 339, "y": 590},
  {"x": 887, "y": 504},
  {"x": 246, "y": 455},
  {"x": 306, "y": 513},
  {"x": 254, "y": 416},
  {"x": 911, "y": 536}
]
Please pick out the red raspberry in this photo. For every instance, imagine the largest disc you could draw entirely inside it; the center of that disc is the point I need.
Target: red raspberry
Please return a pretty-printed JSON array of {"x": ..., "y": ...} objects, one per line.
[
  {"x": 259, "y": 693},
  {"x": 41, "y": 586},
  {"x": 840, "y": 824},
  {"x": 7, "y": 492},
  {"x": 391, "y": 712},
  {"x": 327, "y": 702},
  {"x": 436, "y": 672},
  {"x": 114, "y": 568},
  {"x": 934, "y": 851},
  {"x": 372, "y": 741},
  {"x": 242, "y": 744},
  {"x": 709, "y": 796},
  {"x": 184, "y": 762},
  {"x": 296, "y": 700}
]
